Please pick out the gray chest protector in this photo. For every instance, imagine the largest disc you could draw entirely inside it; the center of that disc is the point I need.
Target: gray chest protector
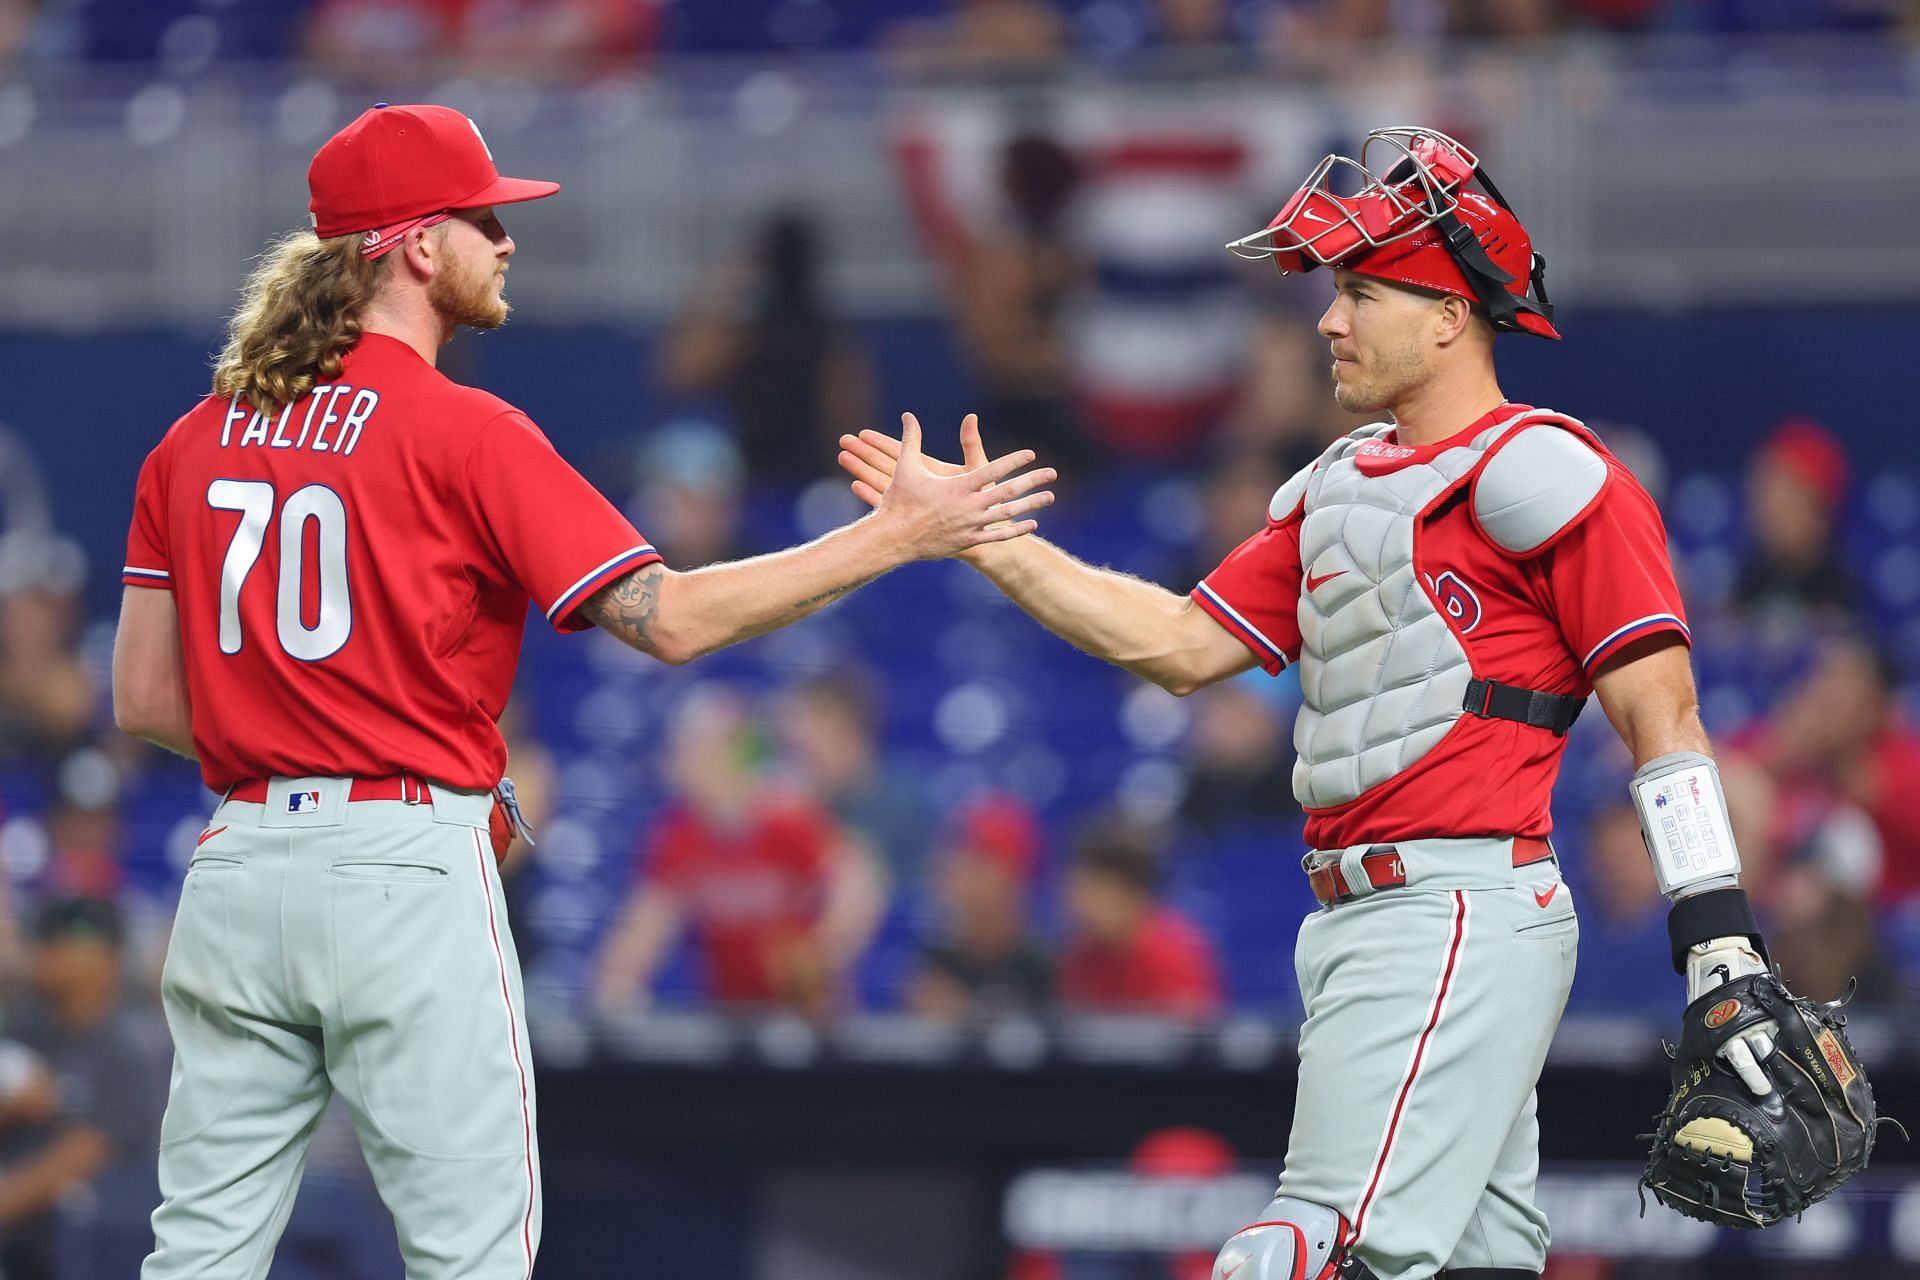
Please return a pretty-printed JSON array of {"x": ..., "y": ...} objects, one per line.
[{"x": 1383, "y": 675}]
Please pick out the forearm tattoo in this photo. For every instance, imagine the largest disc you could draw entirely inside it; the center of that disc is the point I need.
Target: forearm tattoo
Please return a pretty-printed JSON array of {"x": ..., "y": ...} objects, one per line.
[
  {"x": 626, "y": 606},
  {"x": 810, "y": 601}
]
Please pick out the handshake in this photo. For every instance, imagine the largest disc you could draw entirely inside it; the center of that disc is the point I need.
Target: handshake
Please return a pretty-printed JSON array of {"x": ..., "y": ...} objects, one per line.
[{"x": 943, "y": 508}]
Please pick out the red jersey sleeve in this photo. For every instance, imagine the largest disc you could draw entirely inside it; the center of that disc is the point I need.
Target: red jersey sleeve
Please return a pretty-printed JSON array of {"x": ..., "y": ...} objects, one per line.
[
  {"x": 556, "y": 535},
  {"x": 1255, "y": 593},
  {"x": 1610, "y": 578},
  {"x": 147, "y": 563}
]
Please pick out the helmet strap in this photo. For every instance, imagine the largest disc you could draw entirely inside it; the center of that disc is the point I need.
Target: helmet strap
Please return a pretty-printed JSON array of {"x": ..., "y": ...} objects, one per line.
[{"x": 1488, "y": 279}]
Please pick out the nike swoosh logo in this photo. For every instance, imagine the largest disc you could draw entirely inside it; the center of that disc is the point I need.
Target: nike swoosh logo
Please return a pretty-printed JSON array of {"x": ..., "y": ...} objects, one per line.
[
  {"x": 1311, "y": 216},
  {"x": 1233, "y": 1270},
  {"x": 1544, "y": 898},
  {"x": 207, "y": 835},
  {"x": 1314, "y": 584}
]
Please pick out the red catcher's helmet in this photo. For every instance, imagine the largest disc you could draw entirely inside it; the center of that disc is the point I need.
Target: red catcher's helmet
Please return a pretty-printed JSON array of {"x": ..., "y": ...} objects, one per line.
[{"x": 1414, "y": 225}]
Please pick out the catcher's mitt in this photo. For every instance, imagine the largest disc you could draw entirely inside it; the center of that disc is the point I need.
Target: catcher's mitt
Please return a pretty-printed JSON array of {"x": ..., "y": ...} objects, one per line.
[{"x": 1727, "y": 1157}]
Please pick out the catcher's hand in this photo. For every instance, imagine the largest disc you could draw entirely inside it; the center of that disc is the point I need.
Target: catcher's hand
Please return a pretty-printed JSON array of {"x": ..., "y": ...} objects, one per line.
[
  {"x": 1720, "y": 960},
  {"x": 1729, "y": 1154}
]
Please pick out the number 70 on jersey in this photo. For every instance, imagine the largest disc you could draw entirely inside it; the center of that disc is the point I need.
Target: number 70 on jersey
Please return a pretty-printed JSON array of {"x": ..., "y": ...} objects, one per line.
[{"x": 255, "y": 501}]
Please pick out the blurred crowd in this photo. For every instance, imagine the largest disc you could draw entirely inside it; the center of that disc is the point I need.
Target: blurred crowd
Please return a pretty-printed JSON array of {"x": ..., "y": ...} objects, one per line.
[{"x": 587, "y": 36}]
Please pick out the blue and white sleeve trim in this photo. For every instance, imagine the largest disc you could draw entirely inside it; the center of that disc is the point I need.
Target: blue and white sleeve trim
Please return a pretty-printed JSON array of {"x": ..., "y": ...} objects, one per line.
[
  {"x": 155, "y": 576},
  {"x": 1248, "y": 632},
  {"x": 1633, "y": 630},
  {"x": 598, "y": 576}
]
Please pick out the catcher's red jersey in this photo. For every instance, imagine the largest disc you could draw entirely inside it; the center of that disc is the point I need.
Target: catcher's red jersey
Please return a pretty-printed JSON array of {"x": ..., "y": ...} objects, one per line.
[
  {"x": 1547, "y": 622},
  {"x": 352, "y": 575}
]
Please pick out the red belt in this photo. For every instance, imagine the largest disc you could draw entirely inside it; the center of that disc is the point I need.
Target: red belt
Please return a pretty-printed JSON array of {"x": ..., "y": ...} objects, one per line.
[
  {"x": 1384, "y": 870},
  {"x": 401, "y": 786}
]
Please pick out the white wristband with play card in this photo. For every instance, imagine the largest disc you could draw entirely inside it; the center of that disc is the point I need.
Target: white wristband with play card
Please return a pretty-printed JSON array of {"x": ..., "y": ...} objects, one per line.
[{"x": 1683, "y": 814}]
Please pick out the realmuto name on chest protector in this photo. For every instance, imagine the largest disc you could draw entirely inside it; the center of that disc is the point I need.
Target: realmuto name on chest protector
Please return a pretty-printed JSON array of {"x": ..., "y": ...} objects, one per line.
[{"x": 1382, "y": 675}]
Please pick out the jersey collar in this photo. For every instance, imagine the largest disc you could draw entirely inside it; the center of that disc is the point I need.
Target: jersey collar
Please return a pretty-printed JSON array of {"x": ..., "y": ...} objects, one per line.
[{"x": 1383, "y": 456}]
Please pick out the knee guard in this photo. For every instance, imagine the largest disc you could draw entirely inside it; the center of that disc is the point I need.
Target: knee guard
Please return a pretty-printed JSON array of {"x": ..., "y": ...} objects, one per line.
[{"x": 1291, "y": 1240}]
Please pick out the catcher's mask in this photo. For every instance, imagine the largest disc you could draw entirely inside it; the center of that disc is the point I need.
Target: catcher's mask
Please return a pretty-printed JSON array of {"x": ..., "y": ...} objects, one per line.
[{"x": 1416, "y": 225}]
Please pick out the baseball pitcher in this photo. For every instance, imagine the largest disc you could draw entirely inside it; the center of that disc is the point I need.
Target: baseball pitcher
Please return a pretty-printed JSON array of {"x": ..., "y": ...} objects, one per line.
[{"x": 327, "y": 582}]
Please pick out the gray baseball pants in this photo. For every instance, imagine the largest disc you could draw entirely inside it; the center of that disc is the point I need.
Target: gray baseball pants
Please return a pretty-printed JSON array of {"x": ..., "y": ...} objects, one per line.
[
  {"x": 1429, "y": 1011},
  {"x": 323, "y": 945}
]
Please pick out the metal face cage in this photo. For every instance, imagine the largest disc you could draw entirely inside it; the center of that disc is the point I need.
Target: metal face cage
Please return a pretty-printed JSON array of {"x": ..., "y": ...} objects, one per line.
[{"x": 1419, "y": 184}]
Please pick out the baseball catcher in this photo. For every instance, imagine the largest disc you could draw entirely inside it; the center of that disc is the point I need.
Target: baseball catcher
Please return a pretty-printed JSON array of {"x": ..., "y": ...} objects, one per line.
[{"x": 1453, "y": 582}]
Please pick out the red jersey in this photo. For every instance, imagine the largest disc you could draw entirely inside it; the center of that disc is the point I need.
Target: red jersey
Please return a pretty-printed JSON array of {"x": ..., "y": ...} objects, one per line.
[
  {"x": 1168, "y": 967},
  {"x": 352, "y": 576},
  {"x": 749, "y": 892},
  {"x": 1543, "y": 622}
]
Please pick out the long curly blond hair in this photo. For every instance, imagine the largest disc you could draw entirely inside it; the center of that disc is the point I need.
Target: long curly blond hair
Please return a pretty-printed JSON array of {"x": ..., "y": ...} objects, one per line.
[{"x": 299, "y": 313}]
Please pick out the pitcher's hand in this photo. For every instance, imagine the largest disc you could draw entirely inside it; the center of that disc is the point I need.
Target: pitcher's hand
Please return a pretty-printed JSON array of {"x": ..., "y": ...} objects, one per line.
[
  {"x": 939, "y": 509},
  {"x": 871, "y": 456}
]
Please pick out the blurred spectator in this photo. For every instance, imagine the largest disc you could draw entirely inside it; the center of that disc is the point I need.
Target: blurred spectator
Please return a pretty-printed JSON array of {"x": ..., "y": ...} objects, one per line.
[
  {"x": 1283, "y": 408},
  {"x": 1641, "y": 453},
  {"x": 980, "y": 36},
  {"x": 84, "y": 836},
  {"x": 109, "y": 1056},
  {"x": 688, "y": 484},
  {"x": 1794, "y": 491},
  {"x": 1840, "y": 732},
  {"x": 1191, "y": 24},
  {"x": 1233, "y": 499},
  {"x": 1818, "y": 914},
  {"x": 1128, "y": 952},
  {"x": 1011, "y": 286},
  {"x": 1239, "y": 760},
  {"x": 378, "y": 38},
  {"x": 1343, "y": 21},
  {"x": 780, "y": 902},
  {"x": 48, "y": 698},
  {"x": 16, "y": 24},
  {"x": 1625, "y": 960},
  {"x": 829, "y": 729},
  {"x": 1799, "y": 785},
  {"x": 986, "y": 961},
  {"x": 83, "y": 840},
  {"x": 765, "y": 340}
]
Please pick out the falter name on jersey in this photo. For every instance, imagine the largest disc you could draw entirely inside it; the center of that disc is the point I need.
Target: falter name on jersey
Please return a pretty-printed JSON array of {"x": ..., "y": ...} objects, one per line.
[{"x": 330, "y": 418}]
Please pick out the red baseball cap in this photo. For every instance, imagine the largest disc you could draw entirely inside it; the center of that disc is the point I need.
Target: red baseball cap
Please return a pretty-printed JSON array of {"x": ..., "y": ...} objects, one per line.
[
  {"x": 1809, "y": 451},
  {"x": 397, "y": 167},
  {"x": 999, "y": 828}
]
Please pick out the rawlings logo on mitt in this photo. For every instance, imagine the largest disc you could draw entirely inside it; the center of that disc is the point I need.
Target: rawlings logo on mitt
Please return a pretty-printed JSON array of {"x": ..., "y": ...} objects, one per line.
[{"x": 1727, "y": 1157}]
